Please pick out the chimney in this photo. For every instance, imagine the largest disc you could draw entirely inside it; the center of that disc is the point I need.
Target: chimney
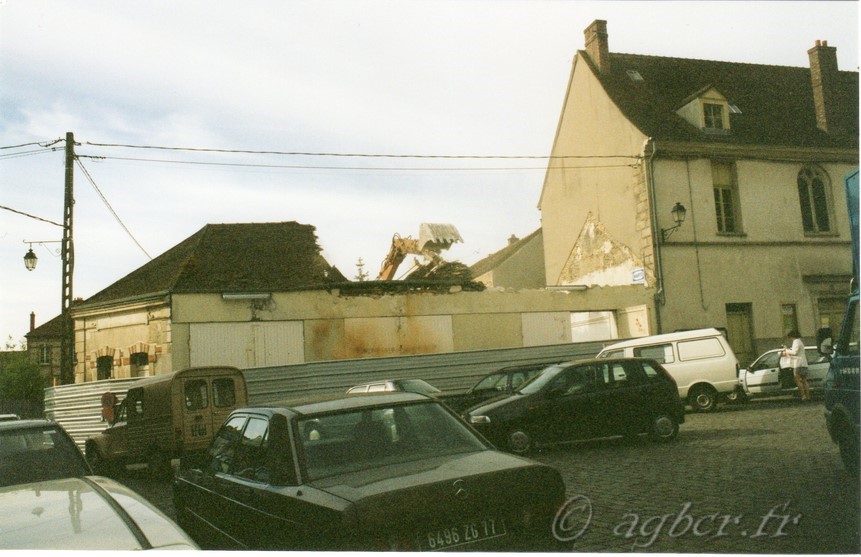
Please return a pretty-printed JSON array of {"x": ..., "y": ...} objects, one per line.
[
  {"x": 597, "y": 46},
  {"x": 823, "y": 76},
  {"x": 513, "y": 240},
  {"x": 32, "y": 321}
]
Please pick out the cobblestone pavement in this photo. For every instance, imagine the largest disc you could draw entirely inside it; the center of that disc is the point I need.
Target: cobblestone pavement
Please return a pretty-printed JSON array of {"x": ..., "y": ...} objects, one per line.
[{"x": 761, "y": 477}]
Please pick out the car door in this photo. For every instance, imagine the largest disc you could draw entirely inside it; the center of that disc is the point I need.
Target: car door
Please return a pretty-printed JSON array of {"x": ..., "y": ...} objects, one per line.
[
  {"x": 572, "y": 404},
  {"x": 763, "y": 375},
  {"x": 625, "y": 403}
]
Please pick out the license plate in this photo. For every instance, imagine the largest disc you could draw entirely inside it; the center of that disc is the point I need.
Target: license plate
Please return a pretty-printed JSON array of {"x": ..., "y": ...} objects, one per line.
[{"x": 462, "y": 534}]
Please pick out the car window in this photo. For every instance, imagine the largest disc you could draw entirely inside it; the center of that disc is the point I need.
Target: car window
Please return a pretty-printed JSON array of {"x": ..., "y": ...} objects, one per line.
[
  {"x": 766, "y": 361},
  {"x": 363, "y": 439},
  {"x": 223, "y": 392},
  {"x": 661, "y": 353},
  {"x": 223, "y": 449},
  {"x": 196, "y": 394},
  {"x": 520, "y": 377},
  {"x": 377, "y": 388},
  {"x": 493, "y": 382},
  {"x": 250, "y": 457},
  {"x": 612, "y": 354},
  {"x": 617, "y": 374},
  {"x": 651, "y": 371},
  {"x": 538, "y": 382},
  {"x": 417, "y": 386},
  {"x": 574, "y": 380},
  {"x": 814, "y": 357},
  {"x": 700, "y": 348},
  {"x": 38, "y": 454}
]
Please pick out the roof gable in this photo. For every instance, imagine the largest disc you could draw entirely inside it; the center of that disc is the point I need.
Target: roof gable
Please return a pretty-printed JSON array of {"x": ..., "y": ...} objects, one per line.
[
  {"x": 231, "y": 257},
  {"x": 497, "y": 258},
  {"x": 775, "y": 102}
]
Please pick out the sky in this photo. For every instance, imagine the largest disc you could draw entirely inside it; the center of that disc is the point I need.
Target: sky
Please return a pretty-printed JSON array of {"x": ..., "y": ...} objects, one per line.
[{"x": 414, "y": 83}]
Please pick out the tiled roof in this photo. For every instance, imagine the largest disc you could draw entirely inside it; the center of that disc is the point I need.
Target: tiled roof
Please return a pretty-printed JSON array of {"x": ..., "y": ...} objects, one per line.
[
  {"x": 245, "y": 257},
  {"x": 776, "y": 102},
  {"x": 495, "y": 259},
  {"x": 52, "y": 328}
]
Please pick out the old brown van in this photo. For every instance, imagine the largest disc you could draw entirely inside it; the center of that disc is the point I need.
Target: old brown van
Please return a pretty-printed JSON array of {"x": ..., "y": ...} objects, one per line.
[{"x": 165, "y": 417}]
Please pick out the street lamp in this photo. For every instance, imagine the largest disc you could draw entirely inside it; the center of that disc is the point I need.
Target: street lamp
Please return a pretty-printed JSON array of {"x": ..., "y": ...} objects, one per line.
[
  {"x": 679, "y": 212},
  {"x": 30, "y": 259}
]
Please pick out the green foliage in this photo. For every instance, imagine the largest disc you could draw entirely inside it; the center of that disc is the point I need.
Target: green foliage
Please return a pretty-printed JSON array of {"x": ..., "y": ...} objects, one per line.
[{"x": 21, "y": 380}]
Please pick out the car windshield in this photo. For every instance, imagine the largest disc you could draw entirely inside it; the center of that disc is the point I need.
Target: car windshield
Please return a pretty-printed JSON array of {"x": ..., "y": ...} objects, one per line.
[
  {"x": 38, "y": 454},
  {"x": 537, "y": 382},
  {"x": 367, "y": 438}
]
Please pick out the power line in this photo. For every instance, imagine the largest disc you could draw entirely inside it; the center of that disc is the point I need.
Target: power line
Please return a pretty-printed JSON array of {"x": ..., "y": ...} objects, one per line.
[
  {"x": 108, "y": 205},
  {"x": 29, "y": 153},
  {"x": 31, "y": 216},
  {"x": 353, "y": 168},
  {"x": 365, "y": 155}
]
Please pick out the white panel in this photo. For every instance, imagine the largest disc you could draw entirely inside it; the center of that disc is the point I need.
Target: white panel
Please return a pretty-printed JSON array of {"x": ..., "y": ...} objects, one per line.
[
  {"x": 246, "y": 345},
  {"x": 590, "y": 326},
  {"x": 541, "y": 328},
  {"x": 633, "y": 322}
]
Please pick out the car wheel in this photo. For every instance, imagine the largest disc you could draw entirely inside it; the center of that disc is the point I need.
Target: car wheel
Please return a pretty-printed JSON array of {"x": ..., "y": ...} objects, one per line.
[
  {"x": 849, "y": 450},
  {"x": 519, "y": 442},
  {"x": 663, "y": 428},
  {"x": 703, "y": 399},
  {"x": 100, "y": 465}
]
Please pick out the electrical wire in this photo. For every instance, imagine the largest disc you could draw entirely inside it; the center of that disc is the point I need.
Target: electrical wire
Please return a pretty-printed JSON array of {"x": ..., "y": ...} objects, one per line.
[
  {"x": 364, "y": 155},
  {"x": 28, "y": 153},
  {"x": 108, "y": 205},
  {"x": 353, "y": 168},
  {"x": 30, "y": 216}
]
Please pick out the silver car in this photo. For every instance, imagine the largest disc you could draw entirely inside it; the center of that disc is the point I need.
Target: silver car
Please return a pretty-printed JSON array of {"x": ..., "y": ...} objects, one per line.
[
  {"x": 49, "y": 499},
  {"x": 765, "y": 376}
]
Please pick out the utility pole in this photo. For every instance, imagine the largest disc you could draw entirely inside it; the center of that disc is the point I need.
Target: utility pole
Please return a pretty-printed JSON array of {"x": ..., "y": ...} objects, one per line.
[{"x": 67, "y": 254}]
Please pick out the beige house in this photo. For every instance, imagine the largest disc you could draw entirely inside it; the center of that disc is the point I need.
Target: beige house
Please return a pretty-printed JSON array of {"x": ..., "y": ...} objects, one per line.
[
  {"x": 43, "y": 348},
  {"x": 520, "y": 264},
  {"x": 259, "y": 294},
  {"x": 756, "y": 156}
]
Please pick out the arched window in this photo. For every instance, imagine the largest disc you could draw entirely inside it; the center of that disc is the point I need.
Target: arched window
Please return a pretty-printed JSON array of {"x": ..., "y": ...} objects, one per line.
[
  {"x": 814, "y": 192},
  {"x": 139, "y": 362}
]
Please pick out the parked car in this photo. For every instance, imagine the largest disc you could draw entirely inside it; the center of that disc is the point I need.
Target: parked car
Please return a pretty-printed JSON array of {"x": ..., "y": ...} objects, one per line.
[
  {"x": 395, "y": 471},
  {"x": 581, "y": 400},
  {"x": 765, "y": 376},
  {"x": 701, "y": 361},
  {"x": 498, "y": 383},
  {"x": 165, "y": 417},
  {"x": 396, "y": 385},
  {"x": 49, "y": 501}
]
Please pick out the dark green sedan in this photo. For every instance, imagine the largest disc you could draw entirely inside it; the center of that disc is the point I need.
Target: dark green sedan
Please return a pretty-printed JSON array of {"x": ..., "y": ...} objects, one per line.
[{"x": 395, "y": 471}]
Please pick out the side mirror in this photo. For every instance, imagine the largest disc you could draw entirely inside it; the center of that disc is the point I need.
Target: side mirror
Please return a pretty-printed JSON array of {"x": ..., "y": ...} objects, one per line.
[{"x": 823, "y": 341}]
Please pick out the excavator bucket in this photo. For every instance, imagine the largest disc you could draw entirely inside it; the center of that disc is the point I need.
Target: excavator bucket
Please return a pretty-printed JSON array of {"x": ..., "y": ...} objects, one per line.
[{"x": 437, "y": 237}]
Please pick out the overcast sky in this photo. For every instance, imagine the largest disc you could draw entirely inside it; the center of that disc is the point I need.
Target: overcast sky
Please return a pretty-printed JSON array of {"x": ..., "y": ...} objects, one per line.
[{"x": 480, "y": 78}]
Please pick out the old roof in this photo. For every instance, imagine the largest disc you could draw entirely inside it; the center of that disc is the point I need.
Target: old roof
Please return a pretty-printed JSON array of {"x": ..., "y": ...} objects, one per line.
[
  {"x": 776, "y": 102},
  {"x": 49, "y": 329},
  {"x": 244, "y": 257},
  {"x": 495, "y": 259}
]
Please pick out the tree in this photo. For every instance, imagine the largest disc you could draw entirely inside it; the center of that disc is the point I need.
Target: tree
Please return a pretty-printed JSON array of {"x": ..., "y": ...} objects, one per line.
[
  {"x": 362, "y": 275},
  {"x": 21, "y": 381}
]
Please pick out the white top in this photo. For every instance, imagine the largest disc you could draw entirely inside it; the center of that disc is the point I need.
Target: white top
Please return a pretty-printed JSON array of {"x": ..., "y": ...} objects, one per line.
[{"x": 798, "y": 358}]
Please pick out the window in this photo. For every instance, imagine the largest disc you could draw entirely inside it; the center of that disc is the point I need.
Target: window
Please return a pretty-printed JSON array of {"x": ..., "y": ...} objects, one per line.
[
  {"x": 223, "y": 447},
  {"x": 196, "y": 396},
  {"x": 138, "y": 363},
  {"x": 790, "y": 317},
  {"x": 661, "y": 353},
  {"x": 104, "y": 365},
  {"x": 223, "y": 393},
  {"x": 45, "y": 354},
  {"x": 725, "y": 192},
  {"x": 495, "y": 382},
  {"x": 813, "y": 194},
  {"x": 713, "y": 116}
]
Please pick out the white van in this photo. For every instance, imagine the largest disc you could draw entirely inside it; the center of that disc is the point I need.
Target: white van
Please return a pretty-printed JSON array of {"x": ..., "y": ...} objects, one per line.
[{"x": 701, "y": 361}]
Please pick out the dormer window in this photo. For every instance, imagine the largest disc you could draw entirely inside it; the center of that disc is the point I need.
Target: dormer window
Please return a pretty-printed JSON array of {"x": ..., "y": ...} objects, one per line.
[
  {"x": 713, "y": 116},
  {"x": 708, "y": 110}
]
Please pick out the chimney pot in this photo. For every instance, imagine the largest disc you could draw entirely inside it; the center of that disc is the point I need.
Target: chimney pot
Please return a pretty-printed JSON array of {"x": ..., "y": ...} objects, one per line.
[{"x": 513, "y": 239}]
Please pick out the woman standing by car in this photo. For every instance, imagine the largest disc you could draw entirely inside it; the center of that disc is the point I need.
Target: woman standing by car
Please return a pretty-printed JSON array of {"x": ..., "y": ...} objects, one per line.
[{"x": 798, "y": 360}]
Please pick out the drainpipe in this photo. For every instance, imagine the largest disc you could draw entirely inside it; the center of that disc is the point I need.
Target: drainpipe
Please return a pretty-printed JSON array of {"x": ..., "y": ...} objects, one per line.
[{"x": 656, "y": 244}]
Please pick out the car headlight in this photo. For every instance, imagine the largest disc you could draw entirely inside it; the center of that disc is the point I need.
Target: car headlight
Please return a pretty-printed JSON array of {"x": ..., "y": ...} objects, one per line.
[{"x": 479, "y": 419}]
